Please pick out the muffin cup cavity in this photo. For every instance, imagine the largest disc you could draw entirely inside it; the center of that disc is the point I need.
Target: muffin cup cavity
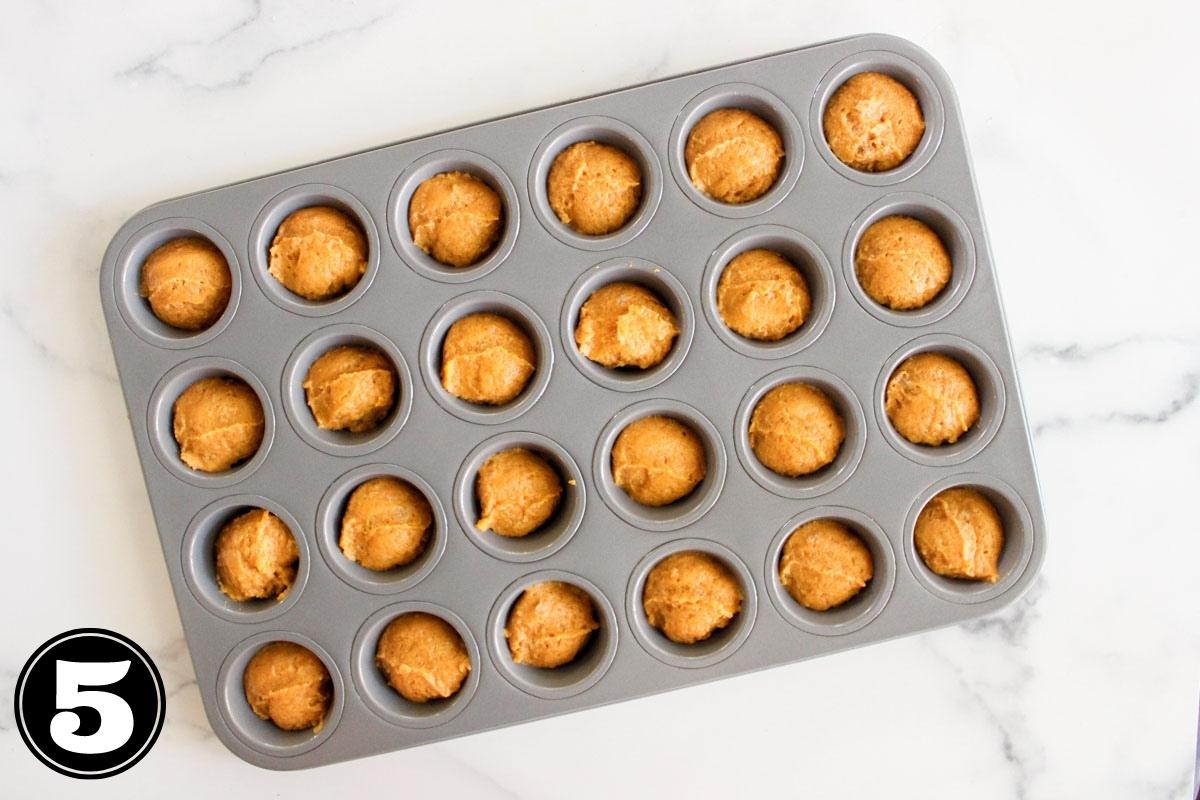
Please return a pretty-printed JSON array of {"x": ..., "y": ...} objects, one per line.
[
  {"x": 329, "y": 530},
  {"x": 716, "y": 648},
  {"x": 907, "y": 72},
  {"x": 160, "y": 420},
  {"x": 807, "y": 257},
  {"x": 949, "y": 227},
  {"x": 570, "y": 679},
  {"x": 135, "y": 309},
  {"x": 496, "y": 303},
  {"x": 555, "y": 533},
  {"x": 426, "y": 167},
  {"x": 295, "y": 399},
  {"x": 604, "y": 130},
  {"x": 262, "y": 735},
  {"x": 682, "y": 512},
  {"x": 385, "y": 701},
  {"x": 857, "y": 612},
  {"x": 989, "y": 385},
  {"x": 200, "y": 560},
  {"x": 262, "y": 234},
  {"x": 1019, "y": 540},
  {"x": 831, "y": 475},
  {"x": 643, "y": 273},
  {"x": 758, "y": 101}
]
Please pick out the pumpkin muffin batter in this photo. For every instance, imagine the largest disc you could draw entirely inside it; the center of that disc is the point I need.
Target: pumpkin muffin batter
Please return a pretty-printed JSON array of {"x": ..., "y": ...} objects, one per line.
[
  {"x": 423, "y": 657},
  {"x": 387, "y": 524},
  {"x": 762, "y": 296},
  {"x": 824, "y": 564},
  {"x": 518, "y": 492},
  {"x": 350, "y": 388},
  {"x": 287, "y": 684},
  {"x": 959, "y": 534},
  {"x": 594, "y": 188},
  {"x": 256, "y": 557},
  {"x": 187, "y": 283},
  {"x": 218, "y": 422},
  {"x": 691, "y": 595},
  {"x": 733, "y": 155},
  {"x": 796, "y": 430},
  {"x": 658, "y": 460},
  {"x": 456, "y": 218},
  {"x": 931, "y": 399},
  {"x": 487, "y": 358},
  {"x": 550, "y": 624},
  {"x": 318, "y": 253},
  {"x": 625, "y": 325},
  {"x": 901, "y": 263},
  {"x": 873, "y": 123}
]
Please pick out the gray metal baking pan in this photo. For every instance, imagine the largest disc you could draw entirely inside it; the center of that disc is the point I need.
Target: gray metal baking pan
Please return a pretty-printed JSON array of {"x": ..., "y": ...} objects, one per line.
[{"x": 539, "y": 274}]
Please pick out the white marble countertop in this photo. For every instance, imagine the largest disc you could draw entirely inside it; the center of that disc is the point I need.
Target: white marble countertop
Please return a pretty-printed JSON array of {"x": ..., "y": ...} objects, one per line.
[{"x": 1086, "y": 688}]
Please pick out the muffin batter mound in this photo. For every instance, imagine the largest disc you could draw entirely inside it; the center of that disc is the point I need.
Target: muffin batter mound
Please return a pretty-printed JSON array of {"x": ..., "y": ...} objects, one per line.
[
  {"x": 691, "y": 595},
  {"x": 387, "y": 524},
  {"x": 287, "y": 684},
  {"x": 256, "y": 557},
  {"x": 625, "y": 325},
  {"x": 318, "y": 253},
  {"x": 487, "y": 358},
  {"x": 217, "y": 422},
  {"x": 187, "y": 283},
  {"x": 518, "y": 492},
  {"x": 423, "y": 657},
  {"x": 550, "y": 624},
  {"x": 796, "y": 430}
]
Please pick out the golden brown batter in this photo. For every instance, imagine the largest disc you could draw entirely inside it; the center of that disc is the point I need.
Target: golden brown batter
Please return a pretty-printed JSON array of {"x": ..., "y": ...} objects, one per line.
[
  {"x": 487, "y": 358},
  {"x": 959, "y": 534},
  {"x": 387, "y": 524},
  {"x": 691, "y": 595},
  {"x": 456, "y": 218},
  {"x": 796, "y": 430},
  {"x": 318, "y": 253},
  {"x": 218, "y": 422},
  {"x": 625, "y": 325},
  {"x": 873, "y": 122},
  {"x": 733, "y": 155},
  {"x": 931, "y": 399},
  {"x": 518, "y": 492},
  {"x": 658, "y": 460},
  {"x": 288, "y": 685},
  {"x": 824, "y": 564},
  {"x": 901, "y": 263},
  {"x": 762, "y": 296},
  {"x": 351, "y": 388},
  {"x": 256, "y": 557},
  {"x": 594, "y": 188},
  {"x": 423, "y": 657},
  {"x": 187, "y": 283},
  {"x": 550, "y": 624}
]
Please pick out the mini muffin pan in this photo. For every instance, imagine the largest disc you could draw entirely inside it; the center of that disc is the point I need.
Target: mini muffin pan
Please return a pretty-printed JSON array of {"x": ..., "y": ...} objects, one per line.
[{"x": 539, "y": 274}]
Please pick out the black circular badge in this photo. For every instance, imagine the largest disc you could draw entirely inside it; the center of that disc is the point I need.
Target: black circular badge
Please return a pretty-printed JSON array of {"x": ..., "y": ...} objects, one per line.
[{"x": 90, "y": 703}]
